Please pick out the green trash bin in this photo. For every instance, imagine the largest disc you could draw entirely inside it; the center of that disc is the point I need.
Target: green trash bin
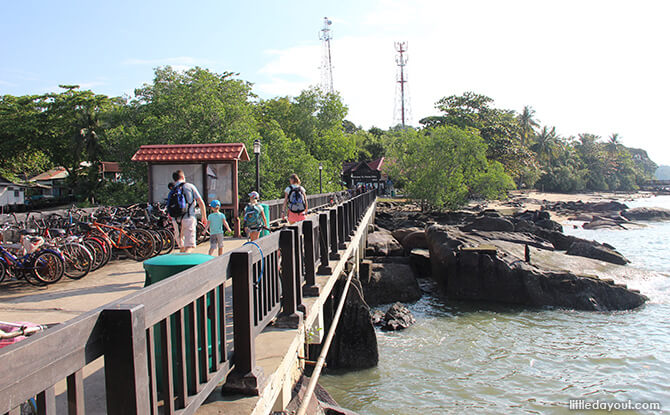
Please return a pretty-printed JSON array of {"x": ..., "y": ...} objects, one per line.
[
  {"x": 266, "y": 210},
  {"x": 158, "y": 269}
]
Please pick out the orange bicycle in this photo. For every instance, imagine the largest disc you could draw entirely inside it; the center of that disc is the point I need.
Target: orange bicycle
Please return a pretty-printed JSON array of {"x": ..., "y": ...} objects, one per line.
[{"x": 136, "y": 243}]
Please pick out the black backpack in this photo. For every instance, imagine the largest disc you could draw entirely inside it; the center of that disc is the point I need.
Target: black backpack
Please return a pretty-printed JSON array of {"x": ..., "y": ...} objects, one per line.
[{"x": 177, "y": 206}]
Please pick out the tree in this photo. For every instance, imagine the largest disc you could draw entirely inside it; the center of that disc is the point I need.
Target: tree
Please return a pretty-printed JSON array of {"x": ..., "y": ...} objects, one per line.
[
  {"x": 545, "y": 144},
  {"x": 528, "y": 124},
  {"x": 442, "y": 167}
]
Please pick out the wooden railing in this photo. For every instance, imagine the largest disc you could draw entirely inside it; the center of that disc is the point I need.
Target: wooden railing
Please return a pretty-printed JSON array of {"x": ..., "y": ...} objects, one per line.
[{"x": 167, "y": 346}]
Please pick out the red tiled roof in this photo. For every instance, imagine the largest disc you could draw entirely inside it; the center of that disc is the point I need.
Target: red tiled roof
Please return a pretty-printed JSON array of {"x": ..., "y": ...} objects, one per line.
[
  {"x": 110, "y": 167},
  {"x": 191, "y": 153}
]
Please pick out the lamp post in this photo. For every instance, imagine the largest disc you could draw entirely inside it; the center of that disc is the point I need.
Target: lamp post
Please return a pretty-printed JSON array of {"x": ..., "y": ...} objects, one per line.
[
  {"x": 257, "y": 152},
  {"x": 320, "y": 180}
]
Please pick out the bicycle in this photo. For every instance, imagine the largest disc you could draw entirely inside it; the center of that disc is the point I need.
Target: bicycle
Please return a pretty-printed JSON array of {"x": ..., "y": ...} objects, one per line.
[
  {"x": 44, "y": 266},
  {"x": 136, "y": 243}
]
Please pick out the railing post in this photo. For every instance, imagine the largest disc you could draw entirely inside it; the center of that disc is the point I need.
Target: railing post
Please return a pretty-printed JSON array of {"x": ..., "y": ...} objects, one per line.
[
  {"x": 298, "y": 262},
  {"x": 334, "y": 229},
  {"x": 350, "y": 220},
  {"x": 289, "y": 316},
  {"x": 324, "y": 236},
  {"x": 247, "y": 377},
  {"x": 310, "y": 288},
  {"x": 341, "y": 224},
  {"x": 126, "y": 364}
]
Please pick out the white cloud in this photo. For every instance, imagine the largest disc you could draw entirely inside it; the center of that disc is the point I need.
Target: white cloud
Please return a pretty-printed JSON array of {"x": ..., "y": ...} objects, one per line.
[{"x": 597, "y": 66}]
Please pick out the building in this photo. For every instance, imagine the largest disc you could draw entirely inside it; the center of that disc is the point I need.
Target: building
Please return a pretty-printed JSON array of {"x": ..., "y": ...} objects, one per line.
[
  {"x": 110, "y": 170},
  {"x": 51, "y": 183},
  {"x": 364, "y": 173},
  {"x": 11, "y": 193}
]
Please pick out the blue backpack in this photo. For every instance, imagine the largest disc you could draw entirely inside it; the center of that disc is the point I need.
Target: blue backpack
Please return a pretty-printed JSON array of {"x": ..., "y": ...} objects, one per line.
[
  {"x": 296, "y": 200},
  {"x": 252, "y": 217},
  {"x": 177, "y": 206}
]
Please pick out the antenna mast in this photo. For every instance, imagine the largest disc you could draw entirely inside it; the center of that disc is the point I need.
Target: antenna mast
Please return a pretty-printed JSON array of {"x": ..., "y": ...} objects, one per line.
[
  {"x": 325, "y": 35},
  {"x": 402, "y": 108}
]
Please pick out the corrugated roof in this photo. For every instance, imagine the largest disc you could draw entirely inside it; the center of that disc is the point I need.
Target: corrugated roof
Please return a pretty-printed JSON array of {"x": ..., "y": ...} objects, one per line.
[
  {"x": 56, "y": 173},
  {"x": 191, "y": 153},
  {"x": 350, "y": 166}
]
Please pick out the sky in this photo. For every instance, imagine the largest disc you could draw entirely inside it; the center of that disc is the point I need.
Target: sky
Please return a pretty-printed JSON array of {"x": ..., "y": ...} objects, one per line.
[{"x": 592, "y": 66}]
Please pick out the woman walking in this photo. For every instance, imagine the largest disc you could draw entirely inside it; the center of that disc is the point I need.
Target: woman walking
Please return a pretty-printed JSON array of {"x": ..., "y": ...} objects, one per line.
[{"x": 295, "y": 200}]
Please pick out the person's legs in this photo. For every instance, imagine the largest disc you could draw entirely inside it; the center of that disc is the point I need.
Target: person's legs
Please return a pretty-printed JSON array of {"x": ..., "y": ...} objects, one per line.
[
  {"x": 177, "y": 234},
  {"x": 253, "y": 235},
  {"x": 188, "y": 230}
]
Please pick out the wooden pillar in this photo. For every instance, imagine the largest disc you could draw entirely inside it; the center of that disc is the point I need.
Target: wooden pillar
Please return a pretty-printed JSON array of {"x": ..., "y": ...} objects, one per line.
[
  {"x": 205, "y": 190},
  {"x": 324, "y": 237},
  {"x": 289, "y": 316},
  {"x": 126, "y": 364},
  {"x": 334, "y": 231},
  {"x": 247, "y": 377},
  {"x": 309, "y": 230},
  {"x": 149, "y": 183},
  {"x": 236, "y": 201}
]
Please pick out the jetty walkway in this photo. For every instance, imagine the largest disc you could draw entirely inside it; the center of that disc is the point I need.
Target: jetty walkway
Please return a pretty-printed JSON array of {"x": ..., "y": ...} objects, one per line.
[{"x": 240, "y": 322}]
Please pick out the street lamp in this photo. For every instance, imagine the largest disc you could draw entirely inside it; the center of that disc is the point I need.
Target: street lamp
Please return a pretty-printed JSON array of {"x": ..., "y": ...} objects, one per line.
[
  {"x": 320, "y": 181},
  {"x": 257, "y": 152}
]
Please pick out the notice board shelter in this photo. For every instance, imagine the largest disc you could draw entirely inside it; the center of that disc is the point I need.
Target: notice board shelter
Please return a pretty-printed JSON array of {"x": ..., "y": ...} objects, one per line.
[{"x": 212, "y": 168}]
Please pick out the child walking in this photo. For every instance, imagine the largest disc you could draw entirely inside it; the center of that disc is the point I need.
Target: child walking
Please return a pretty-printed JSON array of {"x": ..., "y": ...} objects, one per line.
[
  {"x": 217, "y": 221},
  {"x": 254, "y": 217}
]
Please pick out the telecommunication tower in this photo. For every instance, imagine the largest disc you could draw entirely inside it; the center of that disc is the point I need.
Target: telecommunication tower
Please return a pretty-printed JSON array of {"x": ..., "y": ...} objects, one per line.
[
  {"x": 402, "y": 107},
  {"x": 326, "y": 64}
]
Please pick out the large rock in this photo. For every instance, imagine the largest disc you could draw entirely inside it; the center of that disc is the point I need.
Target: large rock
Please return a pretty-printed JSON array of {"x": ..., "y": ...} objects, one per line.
[
  {"x": 646, "y": 214},
  {"x": 391, "y": 282},
  {"x": 382, "y": 243},
  {"x": 595, "y": 250},
  {"x": 503, "y": 277},
  {"x": 355, "y": 343},
  {"x": 490, "y": 223},
  {"x": 398, "y": 317},
  {"x": 419, "y": 259}
]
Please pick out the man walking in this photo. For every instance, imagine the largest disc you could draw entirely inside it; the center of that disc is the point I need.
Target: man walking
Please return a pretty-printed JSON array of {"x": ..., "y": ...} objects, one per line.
[{"x": 181, "y": 207}]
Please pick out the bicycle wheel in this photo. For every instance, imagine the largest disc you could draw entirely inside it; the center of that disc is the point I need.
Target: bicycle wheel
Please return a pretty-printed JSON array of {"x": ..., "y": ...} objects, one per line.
[
  {"x": 31, "y": 279},
  {"x": 158, "y": 243},
  {"x": 200, "y": 233},
  {"x": 48, "y": 267},
  {"x": 97, "y": 251},
  {"x": 3, "y": 271},
  {"x": 78, "y": 260},
  {"x": 143, "y": 245},
  {"x": 168, "y": 241}
]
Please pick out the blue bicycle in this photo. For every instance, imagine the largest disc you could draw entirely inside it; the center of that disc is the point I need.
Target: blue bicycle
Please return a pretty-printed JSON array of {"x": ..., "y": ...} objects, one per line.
[{"x": 42, "y": 267}]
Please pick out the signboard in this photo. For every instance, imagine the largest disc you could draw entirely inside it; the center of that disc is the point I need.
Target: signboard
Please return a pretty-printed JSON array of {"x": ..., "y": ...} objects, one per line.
[
  {"x": 161, "y": 175},
  {"x": 220, "y": 183}
]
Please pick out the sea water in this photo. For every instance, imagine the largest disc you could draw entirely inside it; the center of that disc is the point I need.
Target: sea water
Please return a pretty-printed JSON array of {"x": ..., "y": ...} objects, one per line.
[{"x": 484, "y": 358}]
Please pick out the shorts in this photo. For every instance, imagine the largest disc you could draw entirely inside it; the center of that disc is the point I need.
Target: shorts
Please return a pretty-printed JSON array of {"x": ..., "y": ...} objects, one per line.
[
  {"x": 216, "y": 241},
  {"x": 295, "y": 217},
  {"x": 185, "y": 232}
]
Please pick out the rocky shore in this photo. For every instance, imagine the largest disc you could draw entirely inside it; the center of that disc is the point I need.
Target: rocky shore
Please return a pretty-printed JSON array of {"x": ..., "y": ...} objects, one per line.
[{"x": 522, "y": 258}]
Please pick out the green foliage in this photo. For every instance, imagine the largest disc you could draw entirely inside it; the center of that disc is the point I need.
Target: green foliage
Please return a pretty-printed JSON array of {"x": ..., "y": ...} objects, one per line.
[
  {"x": 444, "y": 166},
  {"x": 113, "y": 193}
]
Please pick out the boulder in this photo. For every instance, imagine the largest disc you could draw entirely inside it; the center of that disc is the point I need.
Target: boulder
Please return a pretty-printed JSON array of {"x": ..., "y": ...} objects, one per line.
[
  {"x": 419, "y": 259},
  {"x": 500, "y": 276},
  {"x": 490, "y": 223},
  {"x": 382, "y": 243},
  {"x": 391, "y": 282},
  {"x": 595, "y": 250},
  {"x": 398, "y": 317},
  {"x": 355, "y": 343},
  {"x": 549, "y": 225},
  {"x": 602, "y": 223},
  {"x": 646, "y": 214},
  {"x": 377, "y": 317}
]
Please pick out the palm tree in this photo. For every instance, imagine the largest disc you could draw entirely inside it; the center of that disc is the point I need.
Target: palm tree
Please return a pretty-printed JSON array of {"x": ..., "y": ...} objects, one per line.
[
  {"x": 613, "y": 143},
  {"x": 527, "y": 123},
  {"x": 545, "y": 143}
]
